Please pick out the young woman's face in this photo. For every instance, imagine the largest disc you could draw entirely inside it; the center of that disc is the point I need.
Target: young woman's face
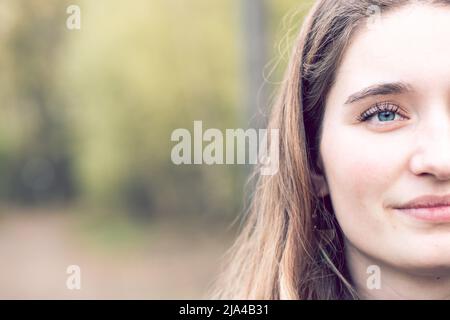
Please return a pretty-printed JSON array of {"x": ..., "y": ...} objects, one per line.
[{"x": 397, "y": 155}]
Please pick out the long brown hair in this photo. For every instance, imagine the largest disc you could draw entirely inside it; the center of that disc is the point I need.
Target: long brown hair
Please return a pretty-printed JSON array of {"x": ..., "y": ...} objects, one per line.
[{"x": 291, "y": 246}]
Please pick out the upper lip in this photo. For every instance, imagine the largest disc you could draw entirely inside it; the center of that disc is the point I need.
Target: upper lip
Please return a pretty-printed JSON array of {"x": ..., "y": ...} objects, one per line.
[{"x": 428, "y": 201}]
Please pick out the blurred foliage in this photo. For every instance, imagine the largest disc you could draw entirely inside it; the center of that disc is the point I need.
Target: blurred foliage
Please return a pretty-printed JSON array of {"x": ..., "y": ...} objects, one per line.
[
  {"x": 145, "y": 79},
  {"x": 87, "y": 114},
  {"x": 34, "y": 160}
]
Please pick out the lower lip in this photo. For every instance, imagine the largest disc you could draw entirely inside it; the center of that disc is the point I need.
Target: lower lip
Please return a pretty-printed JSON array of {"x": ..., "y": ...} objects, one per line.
[{"x": 432, "y": 214}]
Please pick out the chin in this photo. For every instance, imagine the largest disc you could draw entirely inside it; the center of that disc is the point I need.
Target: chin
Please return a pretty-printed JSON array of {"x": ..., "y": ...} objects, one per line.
[{"x": 432, "y": 260}]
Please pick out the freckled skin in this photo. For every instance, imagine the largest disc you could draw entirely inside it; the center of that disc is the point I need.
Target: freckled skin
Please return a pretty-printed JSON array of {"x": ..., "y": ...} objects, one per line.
[{"x": 373, "y": 165}]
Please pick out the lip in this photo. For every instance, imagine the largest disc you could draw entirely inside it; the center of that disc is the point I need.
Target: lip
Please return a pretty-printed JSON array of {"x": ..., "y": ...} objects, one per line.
[{"x": 429, "y": 208}]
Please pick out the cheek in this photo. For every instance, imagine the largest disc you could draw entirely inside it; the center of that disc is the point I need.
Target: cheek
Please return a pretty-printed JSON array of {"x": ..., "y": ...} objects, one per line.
[{"x": 360, "y": 169}]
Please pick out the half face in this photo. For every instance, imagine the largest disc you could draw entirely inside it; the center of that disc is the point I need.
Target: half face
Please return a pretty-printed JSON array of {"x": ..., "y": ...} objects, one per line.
[{"x": 386, "y": 137}]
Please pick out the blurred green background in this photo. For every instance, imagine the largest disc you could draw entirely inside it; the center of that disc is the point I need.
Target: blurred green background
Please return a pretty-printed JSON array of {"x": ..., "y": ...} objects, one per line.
[{"x": 85, "y": 126}]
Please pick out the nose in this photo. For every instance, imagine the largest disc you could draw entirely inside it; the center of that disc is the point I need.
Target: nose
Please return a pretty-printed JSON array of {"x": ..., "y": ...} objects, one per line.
[{"x": 432, "y": 154}]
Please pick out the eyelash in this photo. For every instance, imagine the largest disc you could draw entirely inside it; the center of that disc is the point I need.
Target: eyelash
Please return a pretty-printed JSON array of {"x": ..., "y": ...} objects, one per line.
[{"x": 378, "y": 108}]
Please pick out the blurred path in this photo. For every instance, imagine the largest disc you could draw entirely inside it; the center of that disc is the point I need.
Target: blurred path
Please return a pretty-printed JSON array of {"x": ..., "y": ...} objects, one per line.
[{"x": 36, "y": 248}]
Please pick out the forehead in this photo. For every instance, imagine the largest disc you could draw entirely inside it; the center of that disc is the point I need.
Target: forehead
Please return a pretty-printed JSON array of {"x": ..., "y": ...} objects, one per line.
[{"x": 410, "y": 44}]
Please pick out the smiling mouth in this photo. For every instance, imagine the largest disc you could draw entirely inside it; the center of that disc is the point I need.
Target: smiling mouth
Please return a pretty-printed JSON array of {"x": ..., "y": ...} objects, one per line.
[
  {"x": 431, "y": 208},
  {"x": 430, "y": 214}
]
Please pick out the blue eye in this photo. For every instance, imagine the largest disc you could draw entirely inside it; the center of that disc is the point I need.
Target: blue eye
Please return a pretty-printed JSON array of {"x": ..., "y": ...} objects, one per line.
[
  {"x": 386, "y": 116},
  {"x": 385, "y": 112}
]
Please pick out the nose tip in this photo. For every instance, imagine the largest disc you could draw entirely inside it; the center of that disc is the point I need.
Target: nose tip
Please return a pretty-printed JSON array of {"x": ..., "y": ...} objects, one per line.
[
  {"x": 432, "y": 145},
  {"x": 433, "y": 159},
  {"x": 432, "y": 163}
]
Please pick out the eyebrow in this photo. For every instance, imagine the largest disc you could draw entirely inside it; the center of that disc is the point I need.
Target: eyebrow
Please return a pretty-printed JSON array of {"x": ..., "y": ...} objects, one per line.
[{"x": 379, "y": 89}]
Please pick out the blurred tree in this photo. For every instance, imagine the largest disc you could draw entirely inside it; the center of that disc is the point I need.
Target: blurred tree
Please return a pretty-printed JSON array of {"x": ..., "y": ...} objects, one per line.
[
  {"x": 256, "y": 46},
  {"x": 90, "y": 112},
  {"x": 34, "y": 161},
  {"x": 135, "y": 73}
]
